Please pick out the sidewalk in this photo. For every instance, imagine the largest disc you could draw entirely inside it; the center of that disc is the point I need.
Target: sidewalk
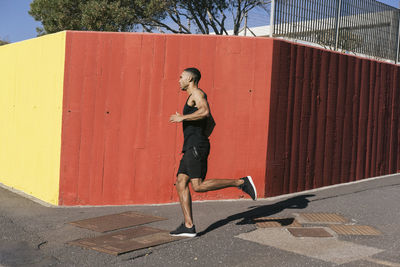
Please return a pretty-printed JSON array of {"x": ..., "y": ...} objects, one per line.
[{"x": 35, "y": 235}]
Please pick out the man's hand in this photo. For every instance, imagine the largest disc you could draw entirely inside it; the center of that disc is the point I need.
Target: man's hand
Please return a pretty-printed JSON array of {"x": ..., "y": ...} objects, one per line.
[{"x": 176, "y": 117}]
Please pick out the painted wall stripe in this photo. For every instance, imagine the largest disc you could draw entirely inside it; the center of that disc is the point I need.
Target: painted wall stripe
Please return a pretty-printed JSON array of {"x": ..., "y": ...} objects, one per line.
[{"x": 31, "y": 82}]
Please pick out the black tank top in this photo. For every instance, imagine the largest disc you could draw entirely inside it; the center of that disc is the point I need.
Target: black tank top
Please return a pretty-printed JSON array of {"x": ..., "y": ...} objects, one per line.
[{"x": 193, "y": 131}]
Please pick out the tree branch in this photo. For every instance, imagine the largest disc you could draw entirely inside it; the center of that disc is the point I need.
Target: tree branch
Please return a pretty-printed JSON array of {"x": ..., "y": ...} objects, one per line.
[
  {"x": 222, "y": 24},
  {"x": 237, "y": 20},
  {"x": 177, "y": 20},
  {"x": 203, "y": 17},
  {"x": 212, "y": 19},
  {"x": 193, "y": 13},
  {"x": 146, "y": 28},
  {"x": 163, "y": 25}
]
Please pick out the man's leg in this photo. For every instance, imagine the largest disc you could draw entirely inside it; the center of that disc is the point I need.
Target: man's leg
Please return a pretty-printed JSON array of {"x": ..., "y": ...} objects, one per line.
[
  {"x": 245, "y": 184},
  {"x": 200, "y": 185},
  {"x": 182, "y": 186}
]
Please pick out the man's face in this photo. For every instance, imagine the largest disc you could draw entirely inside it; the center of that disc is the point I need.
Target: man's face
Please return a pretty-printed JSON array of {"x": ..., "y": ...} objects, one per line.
[{"x": 184, "y": 80}]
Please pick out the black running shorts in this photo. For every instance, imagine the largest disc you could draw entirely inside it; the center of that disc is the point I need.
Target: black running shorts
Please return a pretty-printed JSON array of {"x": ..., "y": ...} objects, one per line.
[{"x": 194, "y": 162}]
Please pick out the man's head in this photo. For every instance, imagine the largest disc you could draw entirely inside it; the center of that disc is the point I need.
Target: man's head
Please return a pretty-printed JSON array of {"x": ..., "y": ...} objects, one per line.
[{"x": 189, "y": 75}]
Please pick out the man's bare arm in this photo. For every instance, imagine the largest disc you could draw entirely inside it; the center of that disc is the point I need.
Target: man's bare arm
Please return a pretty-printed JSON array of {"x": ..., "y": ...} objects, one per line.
[{"x": 202, "y": 112}]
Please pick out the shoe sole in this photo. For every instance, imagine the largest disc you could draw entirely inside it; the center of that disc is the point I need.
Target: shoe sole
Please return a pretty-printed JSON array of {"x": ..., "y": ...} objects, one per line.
[
  {"x": 184, "y": 235},
  {"x": 254, "y": 187}
]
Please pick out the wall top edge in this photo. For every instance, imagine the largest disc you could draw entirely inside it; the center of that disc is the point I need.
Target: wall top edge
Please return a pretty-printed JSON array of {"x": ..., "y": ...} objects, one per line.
[
  {"x": 50, "y": 35},
  {"x": 164, "y": 34}
]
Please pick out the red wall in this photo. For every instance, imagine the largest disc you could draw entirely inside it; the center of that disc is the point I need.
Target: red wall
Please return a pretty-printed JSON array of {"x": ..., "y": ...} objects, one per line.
[
  {"x": 120, "y": 89},
  {"x": 334, "y": 119}
]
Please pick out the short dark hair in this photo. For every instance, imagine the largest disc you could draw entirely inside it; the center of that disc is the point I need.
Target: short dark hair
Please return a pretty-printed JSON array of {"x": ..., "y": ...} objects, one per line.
[{"x": 196, "y": 75}]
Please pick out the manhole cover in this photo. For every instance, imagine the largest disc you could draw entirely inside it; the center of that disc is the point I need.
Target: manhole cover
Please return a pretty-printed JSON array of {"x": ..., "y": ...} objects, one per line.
[
  {"x": 267, "y": 222},
  {"x": 116, "y": 221},
  {"x": 309, "y": 232},
  {"x": 355, "y": 230},
  {"x": 321, "y": 218},
  {"x": 126, "y": 240}
]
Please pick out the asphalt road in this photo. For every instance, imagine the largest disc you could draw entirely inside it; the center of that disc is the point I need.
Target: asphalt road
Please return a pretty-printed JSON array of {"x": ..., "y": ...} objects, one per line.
[{"x": 34, "y": 235}]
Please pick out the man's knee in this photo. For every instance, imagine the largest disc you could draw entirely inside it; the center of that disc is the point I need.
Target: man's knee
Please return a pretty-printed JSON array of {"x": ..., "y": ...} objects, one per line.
[{"x": 181, "y": 181}]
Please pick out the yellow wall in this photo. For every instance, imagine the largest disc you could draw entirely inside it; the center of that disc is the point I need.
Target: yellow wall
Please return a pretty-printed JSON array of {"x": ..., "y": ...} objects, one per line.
[{"x": 31, "y": 91}]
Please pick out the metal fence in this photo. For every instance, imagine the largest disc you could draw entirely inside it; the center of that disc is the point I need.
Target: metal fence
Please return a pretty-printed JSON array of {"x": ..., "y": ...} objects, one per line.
[{"x": 360, "y": 26}]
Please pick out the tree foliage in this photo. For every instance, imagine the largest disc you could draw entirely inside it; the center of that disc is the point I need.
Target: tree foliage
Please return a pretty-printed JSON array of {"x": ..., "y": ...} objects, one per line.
[
  {"x": 91, "y": 15},
  {"x": 176, "y": 16},
  {"x": 3, "y": 42}
]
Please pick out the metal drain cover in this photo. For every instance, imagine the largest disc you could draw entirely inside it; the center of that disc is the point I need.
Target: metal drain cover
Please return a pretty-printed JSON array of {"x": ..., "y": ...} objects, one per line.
[
  {"x": 355, "y": 230},
  {"x": 309, "y": 232},
  {"x": 268, "y": 222},
  {"x": 321, "y": 218},
  {"x": 126, "y": 240},
  {"x": 116, "y": 221}
]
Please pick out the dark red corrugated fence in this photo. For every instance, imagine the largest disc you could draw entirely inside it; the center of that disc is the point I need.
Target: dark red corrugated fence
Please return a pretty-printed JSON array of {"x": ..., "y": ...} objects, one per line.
[{"x": 334, "y": 118}]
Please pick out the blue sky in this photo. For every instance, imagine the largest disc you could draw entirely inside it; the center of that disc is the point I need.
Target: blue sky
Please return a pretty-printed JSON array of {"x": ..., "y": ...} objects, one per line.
[
  {"x": 17, "y": 25},
  {"x": 15, "y": 22}
]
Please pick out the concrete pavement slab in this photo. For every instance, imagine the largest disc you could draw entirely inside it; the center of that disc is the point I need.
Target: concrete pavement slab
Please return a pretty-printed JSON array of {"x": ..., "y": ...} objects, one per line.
[{"x": 326, "y": 249}]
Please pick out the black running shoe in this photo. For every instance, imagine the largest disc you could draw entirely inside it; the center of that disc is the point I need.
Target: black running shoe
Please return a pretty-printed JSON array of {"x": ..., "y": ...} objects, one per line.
[
  {"x": 248, "y": 187},
  {"x": 182, "y": 230}
]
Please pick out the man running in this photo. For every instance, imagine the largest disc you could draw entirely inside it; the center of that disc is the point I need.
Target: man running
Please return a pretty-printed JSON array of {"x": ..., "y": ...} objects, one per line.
[{"x": 196, "y": 147}]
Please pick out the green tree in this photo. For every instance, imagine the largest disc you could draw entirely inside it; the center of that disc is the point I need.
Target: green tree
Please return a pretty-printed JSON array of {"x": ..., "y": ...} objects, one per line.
[
  {"x": 177, "y": 16},
  {"x": 3, "y": 42},
  {"x": 95, "y": 15}
]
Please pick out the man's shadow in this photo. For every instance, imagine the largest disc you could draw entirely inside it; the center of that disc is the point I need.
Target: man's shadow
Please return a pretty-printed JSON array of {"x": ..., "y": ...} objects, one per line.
[{"x": 298, "y": 202}]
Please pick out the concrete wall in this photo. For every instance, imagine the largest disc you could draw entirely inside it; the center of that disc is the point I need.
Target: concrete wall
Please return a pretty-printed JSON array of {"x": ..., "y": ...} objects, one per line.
[
  {"x": 119, "y": 92},
  {"x": 31, "y": 91},
  {"x": 85, "y": 115}
]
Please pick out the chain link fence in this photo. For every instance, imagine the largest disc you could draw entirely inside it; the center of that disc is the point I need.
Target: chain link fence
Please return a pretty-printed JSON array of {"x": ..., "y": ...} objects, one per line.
[{"x": 361, "y": 26}]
